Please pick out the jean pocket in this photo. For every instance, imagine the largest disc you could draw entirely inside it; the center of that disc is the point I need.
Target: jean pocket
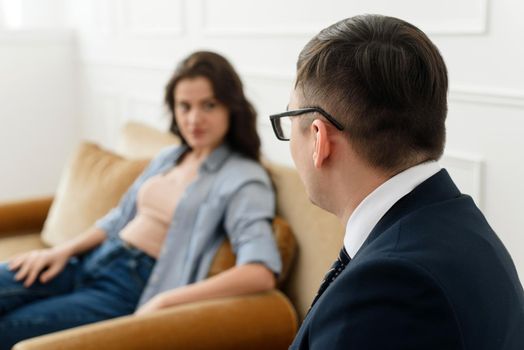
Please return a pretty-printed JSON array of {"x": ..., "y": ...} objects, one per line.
[
  {"x": 140, "y": 269},
  {"x": 97, "y": 260}
]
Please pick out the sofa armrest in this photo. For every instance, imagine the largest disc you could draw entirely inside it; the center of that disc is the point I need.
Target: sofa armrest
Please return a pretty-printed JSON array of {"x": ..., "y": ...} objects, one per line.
[
  {"x": 25, "y": 215},
  {"x": 259, "y": 321}
]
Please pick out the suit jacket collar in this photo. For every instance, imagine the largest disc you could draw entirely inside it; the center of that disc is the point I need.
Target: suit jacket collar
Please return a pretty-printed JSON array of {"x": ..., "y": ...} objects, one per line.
[{"x": 437, "y": 188}]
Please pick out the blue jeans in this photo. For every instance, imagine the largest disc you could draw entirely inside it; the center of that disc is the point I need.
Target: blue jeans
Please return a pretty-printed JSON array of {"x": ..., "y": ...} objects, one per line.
[{"x": 103, "y": 284}]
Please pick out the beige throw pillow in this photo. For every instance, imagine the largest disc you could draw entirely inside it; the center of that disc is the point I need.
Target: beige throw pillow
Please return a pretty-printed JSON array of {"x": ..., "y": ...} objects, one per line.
[
  {"x": 92, "y": 183},
  {"x": 138, "y": 140}
]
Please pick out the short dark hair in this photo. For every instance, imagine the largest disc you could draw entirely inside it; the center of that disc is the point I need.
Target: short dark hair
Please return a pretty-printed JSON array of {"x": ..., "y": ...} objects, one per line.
[
  {"x": 386, "y": 82},
  {"x": 227, "y": 88}
]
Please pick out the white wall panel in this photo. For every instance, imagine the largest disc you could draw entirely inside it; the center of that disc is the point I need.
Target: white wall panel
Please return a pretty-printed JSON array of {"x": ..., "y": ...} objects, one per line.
[
  {"x": 146, "y": 110},
  {"x": 152, "y": 17},
  {"x": 38, "y": 110},
  {"x": 103, "y": 108},
  {"x": 298, "y": 17},
  {"x": 94, "y": 16},
  {"x": 466, "y": 172}
]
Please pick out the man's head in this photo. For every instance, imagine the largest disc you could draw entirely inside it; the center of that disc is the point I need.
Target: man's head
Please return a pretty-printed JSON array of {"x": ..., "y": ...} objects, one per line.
[{"x": 385, "y": 81}]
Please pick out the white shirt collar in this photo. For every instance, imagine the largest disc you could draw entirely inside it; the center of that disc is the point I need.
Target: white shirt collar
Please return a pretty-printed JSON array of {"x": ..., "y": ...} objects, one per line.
[{"x": 377, "y": 203}]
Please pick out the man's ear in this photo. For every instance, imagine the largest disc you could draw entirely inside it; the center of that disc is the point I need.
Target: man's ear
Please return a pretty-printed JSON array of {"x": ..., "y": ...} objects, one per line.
[{"x": 322, "y": 149}]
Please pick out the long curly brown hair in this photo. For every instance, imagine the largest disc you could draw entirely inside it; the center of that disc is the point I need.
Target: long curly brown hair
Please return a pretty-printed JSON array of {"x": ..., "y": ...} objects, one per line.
[{"x": 242, "y": 135}]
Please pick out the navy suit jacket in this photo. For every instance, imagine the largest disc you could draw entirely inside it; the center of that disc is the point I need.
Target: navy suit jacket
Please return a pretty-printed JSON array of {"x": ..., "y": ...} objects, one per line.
[{"x": 431, "y": 275}]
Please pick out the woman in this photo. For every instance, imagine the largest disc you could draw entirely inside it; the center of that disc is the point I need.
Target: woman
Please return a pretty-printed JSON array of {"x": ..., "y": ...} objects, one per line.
[{"x": 155, "y": 248}]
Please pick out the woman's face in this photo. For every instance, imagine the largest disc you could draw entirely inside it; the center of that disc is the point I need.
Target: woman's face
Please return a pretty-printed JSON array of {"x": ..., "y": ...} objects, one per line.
[{"x": 202, "y": 120}]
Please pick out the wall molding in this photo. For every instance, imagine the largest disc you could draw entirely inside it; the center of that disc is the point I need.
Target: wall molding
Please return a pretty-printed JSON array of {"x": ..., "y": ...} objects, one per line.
[
  {"x": 37, "y": 37},
  {"x": 446, "y": 27},
  {"x": 460, "y": 93},
  {"x": 467, "y": 170},
  {"x": 457, "y": 93},
  {"x": 127, "y": 64},
  {"x": 487, "y": 95},
  {"x": 125, "y": 28}
]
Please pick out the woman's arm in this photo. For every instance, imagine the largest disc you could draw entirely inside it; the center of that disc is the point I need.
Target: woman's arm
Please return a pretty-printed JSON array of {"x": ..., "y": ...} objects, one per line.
[
  {"x": 247, "y": 222},
  {"x": 49, "y": 262},
  {"x": 238, "y": 280}
]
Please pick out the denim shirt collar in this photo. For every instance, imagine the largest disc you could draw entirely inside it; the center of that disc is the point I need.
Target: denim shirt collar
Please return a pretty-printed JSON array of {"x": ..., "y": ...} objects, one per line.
[
  {"x": 215, "y": 160},
  {"x": 212, "y": 163}
]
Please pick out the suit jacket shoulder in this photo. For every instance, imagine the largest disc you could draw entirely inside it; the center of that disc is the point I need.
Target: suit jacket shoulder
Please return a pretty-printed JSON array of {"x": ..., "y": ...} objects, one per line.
[
  {"x": 384, "y": 302},
  {"x": 432, "y": 275}
]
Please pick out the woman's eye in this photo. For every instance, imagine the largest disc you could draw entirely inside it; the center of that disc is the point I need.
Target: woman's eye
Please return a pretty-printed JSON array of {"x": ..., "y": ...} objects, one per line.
[
  {"x": 183, "y": 107},
  {"x": 209, "y": 106}
]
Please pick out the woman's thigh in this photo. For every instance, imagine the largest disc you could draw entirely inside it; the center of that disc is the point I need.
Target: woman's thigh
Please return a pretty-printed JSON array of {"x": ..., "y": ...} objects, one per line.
[
  {"x": 57, "y": 313},
  {"x": 108, "y": 284},
  {"x": 110, "y": 288},
  {"x": 13, "y": 294}
]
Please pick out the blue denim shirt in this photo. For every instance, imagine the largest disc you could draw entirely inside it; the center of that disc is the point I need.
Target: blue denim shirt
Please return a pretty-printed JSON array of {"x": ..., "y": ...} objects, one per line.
[{"x": 231, "y": 197}]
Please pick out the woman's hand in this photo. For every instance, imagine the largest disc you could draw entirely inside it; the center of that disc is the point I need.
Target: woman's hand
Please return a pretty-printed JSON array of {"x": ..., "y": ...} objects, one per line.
[
  {"x": 156, "y": 303},
  {"x": 44, "y": 262}
]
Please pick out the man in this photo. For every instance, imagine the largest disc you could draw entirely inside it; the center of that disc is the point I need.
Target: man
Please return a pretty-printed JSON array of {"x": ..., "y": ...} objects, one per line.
[{"x": 421, "y": 268}]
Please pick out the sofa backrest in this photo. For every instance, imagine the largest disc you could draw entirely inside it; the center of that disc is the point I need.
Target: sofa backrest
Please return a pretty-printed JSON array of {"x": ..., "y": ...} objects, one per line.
[{"x": 318, "y": 233}]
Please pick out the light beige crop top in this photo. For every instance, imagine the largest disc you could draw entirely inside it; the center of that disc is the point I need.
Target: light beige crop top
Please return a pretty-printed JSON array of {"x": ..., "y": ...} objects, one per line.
[{"x": 156, "y": 203}]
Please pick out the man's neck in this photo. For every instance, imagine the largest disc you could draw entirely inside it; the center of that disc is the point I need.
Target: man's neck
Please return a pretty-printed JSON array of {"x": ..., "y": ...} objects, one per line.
[{"x": 354, "y": 189}]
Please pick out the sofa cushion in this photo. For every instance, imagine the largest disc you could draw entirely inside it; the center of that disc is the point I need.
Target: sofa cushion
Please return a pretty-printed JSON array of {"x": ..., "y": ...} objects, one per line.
[
  {"x": 91, "y": 184},
  {"x": 141, "y": 141},
  {"x": 319, "y": 236}
]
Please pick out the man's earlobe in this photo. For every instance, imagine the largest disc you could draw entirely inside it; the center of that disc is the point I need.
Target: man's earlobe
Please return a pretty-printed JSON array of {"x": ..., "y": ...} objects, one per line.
[{"x": 322, "y": 149}]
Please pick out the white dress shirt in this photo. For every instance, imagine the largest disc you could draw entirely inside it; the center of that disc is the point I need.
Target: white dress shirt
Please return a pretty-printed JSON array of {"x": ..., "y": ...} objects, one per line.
[{"x": 377, "y": 203}]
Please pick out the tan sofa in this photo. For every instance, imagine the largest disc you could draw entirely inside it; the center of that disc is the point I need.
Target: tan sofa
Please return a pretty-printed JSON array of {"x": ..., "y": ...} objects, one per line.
[{"x": 261, "y": 321}]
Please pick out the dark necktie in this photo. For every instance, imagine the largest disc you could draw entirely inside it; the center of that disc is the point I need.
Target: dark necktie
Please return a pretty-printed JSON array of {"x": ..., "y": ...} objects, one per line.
[{"x": 337, "y": 267}]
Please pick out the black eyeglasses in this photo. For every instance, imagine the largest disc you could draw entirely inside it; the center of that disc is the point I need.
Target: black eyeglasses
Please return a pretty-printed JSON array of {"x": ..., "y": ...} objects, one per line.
[{"x": 281, "y": 122}]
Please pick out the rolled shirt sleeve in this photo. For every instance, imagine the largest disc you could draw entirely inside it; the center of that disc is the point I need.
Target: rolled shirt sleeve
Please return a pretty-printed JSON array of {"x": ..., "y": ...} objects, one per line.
[{"x": 248, "y": 223}]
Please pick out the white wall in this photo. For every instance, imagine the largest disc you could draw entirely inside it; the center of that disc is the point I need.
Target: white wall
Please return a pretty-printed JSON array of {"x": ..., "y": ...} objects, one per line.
[
  {"x": 38, "y": 113},
  {"x": 128, "y": 49}
]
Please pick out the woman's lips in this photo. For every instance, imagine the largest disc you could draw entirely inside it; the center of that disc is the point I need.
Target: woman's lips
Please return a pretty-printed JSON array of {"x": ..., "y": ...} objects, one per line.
[{"x": 197, "y": 133}]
